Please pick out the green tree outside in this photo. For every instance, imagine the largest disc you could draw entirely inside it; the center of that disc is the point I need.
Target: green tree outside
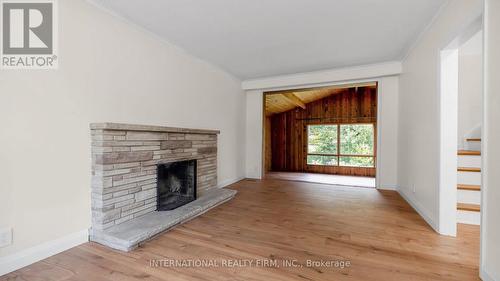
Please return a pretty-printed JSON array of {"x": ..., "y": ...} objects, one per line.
[{"x": 355, "y": 139}]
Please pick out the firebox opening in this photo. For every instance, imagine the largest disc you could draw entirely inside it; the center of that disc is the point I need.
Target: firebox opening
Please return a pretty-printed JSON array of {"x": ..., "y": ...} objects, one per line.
[{"x": 176, "y": 184}]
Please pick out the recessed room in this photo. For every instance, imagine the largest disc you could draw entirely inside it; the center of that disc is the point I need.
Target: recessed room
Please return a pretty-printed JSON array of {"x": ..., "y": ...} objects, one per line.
[{"x": 325, "y": 135}]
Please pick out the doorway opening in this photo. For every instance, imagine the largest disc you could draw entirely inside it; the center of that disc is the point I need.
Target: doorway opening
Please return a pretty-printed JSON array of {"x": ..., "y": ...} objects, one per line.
[
  {"x": 323, "y": 135},
  {"x": 460, "y": 131}
]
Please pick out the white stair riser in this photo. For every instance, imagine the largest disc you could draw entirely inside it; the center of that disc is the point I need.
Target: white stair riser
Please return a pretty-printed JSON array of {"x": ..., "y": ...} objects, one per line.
[
  {"x": 469, "y": 196},
  {"x": 473, "y": 145},
  {"x": 468, "y": 217},
  {"x": 469, "y": 161},
  {"x": 473, "y": 178}
]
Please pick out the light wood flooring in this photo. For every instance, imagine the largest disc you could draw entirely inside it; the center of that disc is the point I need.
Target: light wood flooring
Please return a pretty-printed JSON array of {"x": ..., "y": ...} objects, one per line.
[{"x": 381, "y": 236}]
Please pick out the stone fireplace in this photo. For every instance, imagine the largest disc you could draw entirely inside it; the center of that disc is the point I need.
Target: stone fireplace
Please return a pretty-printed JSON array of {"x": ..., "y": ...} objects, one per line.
[{"x": 146, "y": 179}]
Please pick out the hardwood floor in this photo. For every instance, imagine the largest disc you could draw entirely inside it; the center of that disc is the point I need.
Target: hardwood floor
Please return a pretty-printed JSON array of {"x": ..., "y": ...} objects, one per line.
[{"x": 381, "y": 236}]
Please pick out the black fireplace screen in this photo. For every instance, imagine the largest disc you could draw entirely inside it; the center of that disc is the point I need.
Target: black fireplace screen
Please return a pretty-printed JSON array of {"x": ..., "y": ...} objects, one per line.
[{"x": 176, "y": 184}]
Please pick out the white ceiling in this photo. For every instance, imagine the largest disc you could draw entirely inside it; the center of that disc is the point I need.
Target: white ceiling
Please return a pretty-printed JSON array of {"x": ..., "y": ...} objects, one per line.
[{"x": 260, "y": 38}]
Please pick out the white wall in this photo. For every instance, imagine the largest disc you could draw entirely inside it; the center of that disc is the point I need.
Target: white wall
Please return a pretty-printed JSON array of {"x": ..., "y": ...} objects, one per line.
[
  {"x": 109, "y": 71},
  {"x": 448, "y": 159},
  {"x": 490, "y": 208},
  {"x": 254, "y": 122},
  {"x": 387, "y": 119},
  {"x": 470, "y": 87},
  {"x": 419, "y": 102},
  {"x": 387, "y": 162}
]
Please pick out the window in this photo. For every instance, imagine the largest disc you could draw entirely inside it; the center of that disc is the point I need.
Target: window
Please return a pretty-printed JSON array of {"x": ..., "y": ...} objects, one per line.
[
  {"x": 341, "y": 145},
  {"x": 322, "y": 142}
]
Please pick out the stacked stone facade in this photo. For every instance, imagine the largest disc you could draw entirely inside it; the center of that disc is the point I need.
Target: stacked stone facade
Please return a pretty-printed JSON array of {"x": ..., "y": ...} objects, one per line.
[{"x": 124, "y": 166}]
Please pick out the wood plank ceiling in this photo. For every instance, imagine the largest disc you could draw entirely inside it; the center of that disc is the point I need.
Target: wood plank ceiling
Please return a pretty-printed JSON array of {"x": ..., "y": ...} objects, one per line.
[{"x": 281, "y": 101}]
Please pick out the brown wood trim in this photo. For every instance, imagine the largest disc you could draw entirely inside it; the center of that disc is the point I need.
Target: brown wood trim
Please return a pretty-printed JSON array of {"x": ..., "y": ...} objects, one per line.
[
  {"x": 341, "y": 170},
  {"x": 340, "y": 155},
  {"x": 339, "y": 120},
  {"x": 264, "y": 116},
  {"x": 474, "y": 139},
  {"x": 467, "y": 169},
  {"x": 468, "y": 207},
  {"x": 469, "y": 152},
  {"x": 469, "y": 187},
  {"x": 338, "y": 144}
]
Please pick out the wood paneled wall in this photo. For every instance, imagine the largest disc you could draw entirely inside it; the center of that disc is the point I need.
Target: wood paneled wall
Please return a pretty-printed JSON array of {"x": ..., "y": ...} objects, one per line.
[{"x": 289, "y": 136}]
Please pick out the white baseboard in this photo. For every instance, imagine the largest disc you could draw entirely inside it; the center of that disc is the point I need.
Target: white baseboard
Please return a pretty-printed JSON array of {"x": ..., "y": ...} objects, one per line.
[
  {"x": 31, "y": 255},
  {"x": 485, "y": 276},
  {"x": 229, "y": 182},
  {"x": 388, "y": 187},
  {"x": 420, "y": 210}
]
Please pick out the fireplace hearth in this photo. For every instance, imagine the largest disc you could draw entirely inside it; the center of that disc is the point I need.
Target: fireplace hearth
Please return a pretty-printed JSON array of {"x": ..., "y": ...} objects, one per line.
[{"x": 176, "y": 184}]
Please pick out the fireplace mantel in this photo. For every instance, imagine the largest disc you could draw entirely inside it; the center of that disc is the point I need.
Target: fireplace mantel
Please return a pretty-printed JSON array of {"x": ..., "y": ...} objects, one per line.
[{"x": 149, "y": 128}]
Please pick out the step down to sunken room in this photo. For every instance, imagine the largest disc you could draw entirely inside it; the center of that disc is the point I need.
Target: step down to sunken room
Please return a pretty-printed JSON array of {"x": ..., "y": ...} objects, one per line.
[
  {"x": 468, "y": 207},
  {"x": 469, "y": 187}
]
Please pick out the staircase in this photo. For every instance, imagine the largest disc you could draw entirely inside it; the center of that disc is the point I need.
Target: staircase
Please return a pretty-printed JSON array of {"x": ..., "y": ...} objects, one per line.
[{"x": 469, "y": 183}]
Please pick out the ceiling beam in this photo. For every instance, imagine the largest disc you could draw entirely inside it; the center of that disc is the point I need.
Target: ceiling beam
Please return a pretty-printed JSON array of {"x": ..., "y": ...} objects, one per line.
[
  {"x": 331, "y": 76},
  {"x": 332, "y": 87},
  {"x": 291, "y": 97}
]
